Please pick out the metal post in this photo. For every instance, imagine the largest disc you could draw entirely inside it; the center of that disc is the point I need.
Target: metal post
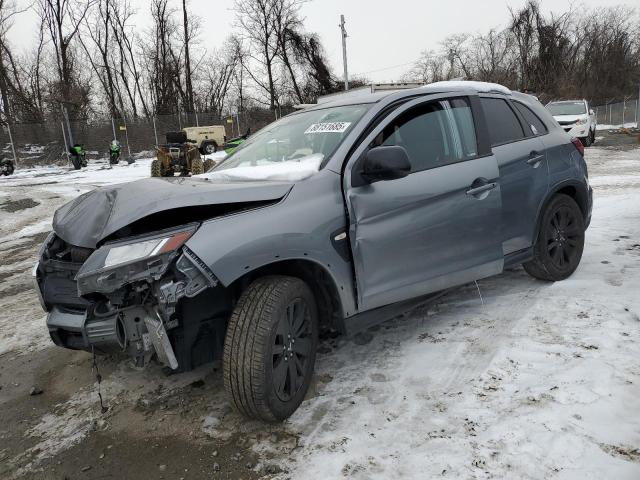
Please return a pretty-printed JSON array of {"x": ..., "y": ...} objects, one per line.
[
  {"x": 344, "y": 52},
  {"x": 126, "y": 135},
  {"x": 66, "y": 117},
  {"x": 66, "y": 146},
  {"x": 238, "y": 122},
  {"x": 610, "y": 109},
  {"x": 155, "y": 132},
  {"x": 179, "y": 121},
  {"x": 13, "y": 148},
  {"x": 197, "y": 122},
  {"x": 624, "y": 107},
  {"x": 113, "y": 126},
  {"x": 637, "y": 108}
]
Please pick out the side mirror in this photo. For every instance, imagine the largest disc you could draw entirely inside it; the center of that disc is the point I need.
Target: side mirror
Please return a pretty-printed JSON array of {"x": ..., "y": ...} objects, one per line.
[{"x": 386, "y": 163}]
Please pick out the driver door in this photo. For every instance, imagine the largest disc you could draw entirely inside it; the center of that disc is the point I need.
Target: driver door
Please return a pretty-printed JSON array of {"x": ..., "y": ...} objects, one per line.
[{"x": 435, "y": 228}]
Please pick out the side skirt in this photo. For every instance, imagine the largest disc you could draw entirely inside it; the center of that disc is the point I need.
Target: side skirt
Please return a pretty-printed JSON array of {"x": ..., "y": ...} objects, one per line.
[
  {"x": 364, "y": 320},
  {"x": 518, "y": 258}
]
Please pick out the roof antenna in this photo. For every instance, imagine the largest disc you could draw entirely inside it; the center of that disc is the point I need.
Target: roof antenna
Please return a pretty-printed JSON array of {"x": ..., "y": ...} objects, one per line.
[{"x": 479, "y": 294}]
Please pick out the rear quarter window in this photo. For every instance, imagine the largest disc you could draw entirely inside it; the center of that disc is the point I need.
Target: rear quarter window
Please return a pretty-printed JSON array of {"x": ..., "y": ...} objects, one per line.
[
  {"x": 536, "y": 126},
  {"x": 502, "y": 122}
]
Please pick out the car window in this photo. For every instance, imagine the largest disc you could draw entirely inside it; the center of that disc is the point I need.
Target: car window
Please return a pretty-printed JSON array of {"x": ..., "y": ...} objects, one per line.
[
  {"x": 503, "y": 125},
  {"x": 432, "y": 135},
  {"x": 533, "y": 121},
  {"x": 463, "y": 124}
]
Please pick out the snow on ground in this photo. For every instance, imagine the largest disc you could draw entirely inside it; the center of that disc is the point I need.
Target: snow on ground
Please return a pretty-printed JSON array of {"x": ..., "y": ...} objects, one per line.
[
  {"x": 616, "y": 127},
  {"x": 536, "y": 381}
]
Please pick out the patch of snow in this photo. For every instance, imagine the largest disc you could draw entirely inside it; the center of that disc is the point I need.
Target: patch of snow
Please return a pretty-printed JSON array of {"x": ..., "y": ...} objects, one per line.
[
  {"x": 289, "y": 171},
  {"x": 616, "y": 127},
  {"x": 484, "y": 87}
]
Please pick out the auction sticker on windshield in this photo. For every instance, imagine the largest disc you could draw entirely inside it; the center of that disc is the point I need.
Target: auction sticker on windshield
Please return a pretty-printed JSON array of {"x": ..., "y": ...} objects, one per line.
[{"x": 333, "y": 127}]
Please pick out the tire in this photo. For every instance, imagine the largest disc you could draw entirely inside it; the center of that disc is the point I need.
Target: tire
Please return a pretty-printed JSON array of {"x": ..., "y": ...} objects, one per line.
[
  {"x": 208, "y": 164},
  {"x": 586, "y": 141},
  {"x": 257, "y": 373},
  {"x": 156, "y": 168},
  {"x": 76, "y": 162},
  {"x": 209, "y": 148},
  {"x": 593, "y": 136},
  {"x": 197, "y": 168},
  {"x": 8, "y": 168},
  {"x": 560, "y": 241}
]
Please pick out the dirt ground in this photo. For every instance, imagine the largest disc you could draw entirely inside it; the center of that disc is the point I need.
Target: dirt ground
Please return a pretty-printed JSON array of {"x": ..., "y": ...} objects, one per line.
[{"x": 460, "y": 389}]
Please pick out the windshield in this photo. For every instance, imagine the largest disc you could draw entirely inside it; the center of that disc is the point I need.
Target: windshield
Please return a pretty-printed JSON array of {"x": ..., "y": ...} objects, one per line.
[
  {"x": 567, "y": 108},
  {"x": 292, "y": 148}
]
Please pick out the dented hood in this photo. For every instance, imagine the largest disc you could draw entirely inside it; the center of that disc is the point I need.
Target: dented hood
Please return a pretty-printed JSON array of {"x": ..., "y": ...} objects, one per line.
[{"x": 96, "y": 215}]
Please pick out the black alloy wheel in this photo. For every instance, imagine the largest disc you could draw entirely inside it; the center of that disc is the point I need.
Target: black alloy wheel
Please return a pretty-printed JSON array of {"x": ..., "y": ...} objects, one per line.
[
  {"x": 270, "y": 347},
  {"x": 292, "y": 349},
  {"x": 560, "y": 241}
]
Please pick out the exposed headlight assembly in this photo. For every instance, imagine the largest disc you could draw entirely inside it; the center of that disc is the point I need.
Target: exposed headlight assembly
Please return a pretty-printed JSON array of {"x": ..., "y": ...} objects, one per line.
[
  {"x": 581, "y": 121},
  {"x": 122, "y": 262}
]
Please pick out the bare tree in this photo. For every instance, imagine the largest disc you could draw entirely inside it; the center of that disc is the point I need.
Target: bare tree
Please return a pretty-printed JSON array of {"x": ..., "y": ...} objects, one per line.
[
  {"x": 62, "y": 20},
  {"x": 162, "y": 64},
  {"x": 98, "y": 28},
  {"x": 256, "y": 20},
  {"x": 129, "y": 72},
  {"x": 189, "y": 102}
]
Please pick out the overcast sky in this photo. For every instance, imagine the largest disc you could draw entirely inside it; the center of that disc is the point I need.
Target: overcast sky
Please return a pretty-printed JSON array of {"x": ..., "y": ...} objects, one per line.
[{"x": 383, "y": 40}]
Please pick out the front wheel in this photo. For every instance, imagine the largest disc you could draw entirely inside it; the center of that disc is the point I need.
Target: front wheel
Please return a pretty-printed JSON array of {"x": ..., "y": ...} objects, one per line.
[
  {"x": 156, "y": 168},
  {"x": 560, "y": 241},
  {"x": 197, "y": 168},
  {"x": 270, "y": 348},
  {"x": 586, "y": 141}
]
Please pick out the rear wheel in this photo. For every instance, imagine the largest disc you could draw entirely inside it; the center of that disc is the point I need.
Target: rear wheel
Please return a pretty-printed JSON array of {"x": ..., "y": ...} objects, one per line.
[
  {"x": 7, "y": 168},
  {"x": 560, "y": 241},
  {"x": 209, "y": 148},
  {"x": 208, "y": 164},
  {"x": 156, "y": 168},
  {"x": 270, "y": 348}
]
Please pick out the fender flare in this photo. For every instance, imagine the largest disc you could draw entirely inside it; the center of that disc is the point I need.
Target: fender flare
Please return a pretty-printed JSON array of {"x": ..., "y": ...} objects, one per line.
[{"x": 581, "y": 196}]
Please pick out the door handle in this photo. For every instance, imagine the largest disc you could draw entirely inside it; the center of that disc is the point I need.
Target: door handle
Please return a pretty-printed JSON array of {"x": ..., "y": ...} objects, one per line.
[
  {"x": 534, "y": 159},
  {"x": 479, "y": 190}
]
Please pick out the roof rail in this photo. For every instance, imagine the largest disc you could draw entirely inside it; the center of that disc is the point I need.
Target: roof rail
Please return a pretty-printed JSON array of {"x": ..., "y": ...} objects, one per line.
[{"x": 369, "y": 89}]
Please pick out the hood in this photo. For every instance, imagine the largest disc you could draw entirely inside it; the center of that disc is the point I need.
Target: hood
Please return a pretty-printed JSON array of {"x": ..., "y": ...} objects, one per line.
[{"x": 94, "y": 216}]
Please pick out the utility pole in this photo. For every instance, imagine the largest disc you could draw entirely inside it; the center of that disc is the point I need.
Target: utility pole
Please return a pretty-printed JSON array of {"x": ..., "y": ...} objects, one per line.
[{"x": 344, "y": 52}]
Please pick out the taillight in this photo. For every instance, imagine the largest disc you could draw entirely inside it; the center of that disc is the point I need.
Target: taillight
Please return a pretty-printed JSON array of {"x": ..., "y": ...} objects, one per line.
[{"x": 578, "y": 144}]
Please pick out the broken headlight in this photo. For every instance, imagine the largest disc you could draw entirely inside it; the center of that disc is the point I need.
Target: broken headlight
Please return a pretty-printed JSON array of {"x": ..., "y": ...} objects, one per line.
[{"x": 143, "y": 258}]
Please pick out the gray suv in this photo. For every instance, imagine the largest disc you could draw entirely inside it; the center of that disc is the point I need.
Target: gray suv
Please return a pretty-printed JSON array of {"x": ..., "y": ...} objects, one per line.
[{"x": 339, "y": 216}]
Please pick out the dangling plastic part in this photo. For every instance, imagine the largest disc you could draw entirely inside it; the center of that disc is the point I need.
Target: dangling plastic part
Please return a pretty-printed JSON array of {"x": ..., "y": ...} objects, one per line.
[{"x": 479, "y": 294}]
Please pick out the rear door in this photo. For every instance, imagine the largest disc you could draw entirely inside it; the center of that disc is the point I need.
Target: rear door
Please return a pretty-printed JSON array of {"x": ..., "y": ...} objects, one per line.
[
  {"x": 435, "y": 228},
  {"x": 522, "y": 162}
]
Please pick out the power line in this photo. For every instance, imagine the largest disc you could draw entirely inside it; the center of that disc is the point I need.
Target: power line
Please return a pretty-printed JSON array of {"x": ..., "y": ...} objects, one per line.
[{"x": 386, "y": 68}]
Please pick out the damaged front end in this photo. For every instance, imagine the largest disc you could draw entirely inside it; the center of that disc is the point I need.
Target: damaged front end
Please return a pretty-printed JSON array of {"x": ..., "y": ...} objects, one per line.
[{"x": 141, "y": 296}]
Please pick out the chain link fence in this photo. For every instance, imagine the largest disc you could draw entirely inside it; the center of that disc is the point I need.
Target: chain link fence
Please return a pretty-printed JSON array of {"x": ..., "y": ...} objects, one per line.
[
  {"x": 619, "y": 113},
  {"x": 48, "y": 143}
]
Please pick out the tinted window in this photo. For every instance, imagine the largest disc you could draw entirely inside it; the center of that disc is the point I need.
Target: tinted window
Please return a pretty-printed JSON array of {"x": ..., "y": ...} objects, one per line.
[
  {"x": 502, "y": 122},
  {"x": 434, "y": 135},
  {"x": 533, "y": 121}
]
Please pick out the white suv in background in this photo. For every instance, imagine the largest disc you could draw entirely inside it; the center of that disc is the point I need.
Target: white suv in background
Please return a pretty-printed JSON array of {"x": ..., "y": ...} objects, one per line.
[{"x": 576, "y": 118}]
